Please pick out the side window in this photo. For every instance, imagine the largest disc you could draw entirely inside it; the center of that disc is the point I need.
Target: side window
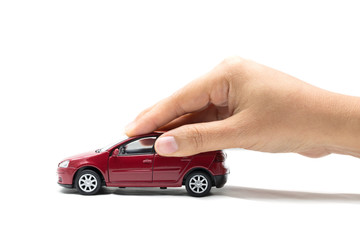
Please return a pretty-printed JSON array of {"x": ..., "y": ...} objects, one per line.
[{"x": 140, "y": 146}]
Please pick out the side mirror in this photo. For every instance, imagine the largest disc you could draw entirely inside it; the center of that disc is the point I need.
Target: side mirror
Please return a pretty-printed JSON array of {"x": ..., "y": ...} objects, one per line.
[
  {"x": 122, "y": 150},
  {"x": 115, "y": 152}
]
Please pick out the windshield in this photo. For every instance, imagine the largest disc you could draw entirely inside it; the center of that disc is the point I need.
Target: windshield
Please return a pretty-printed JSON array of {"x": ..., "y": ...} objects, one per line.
[{"x": 111, "y": 145}]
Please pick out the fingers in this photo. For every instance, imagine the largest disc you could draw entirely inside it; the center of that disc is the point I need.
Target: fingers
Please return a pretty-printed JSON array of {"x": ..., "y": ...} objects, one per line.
[
  {"x": 184, "y": 101},
  {"x": 131, "y": 125},
  {"x": 197, "y": 95},
  {"x": 211, "y": 113},
  {"x": 200, "y": 137}
]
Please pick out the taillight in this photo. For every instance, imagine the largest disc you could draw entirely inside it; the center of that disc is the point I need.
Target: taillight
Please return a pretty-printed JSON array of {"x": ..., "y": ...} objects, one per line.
[{"x": 220, "y": 157}]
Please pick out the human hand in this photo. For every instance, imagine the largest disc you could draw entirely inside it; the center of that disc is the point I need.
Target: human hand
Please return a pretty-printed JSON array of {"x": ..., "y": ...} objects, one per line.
[{"x": 242, "y": 104}]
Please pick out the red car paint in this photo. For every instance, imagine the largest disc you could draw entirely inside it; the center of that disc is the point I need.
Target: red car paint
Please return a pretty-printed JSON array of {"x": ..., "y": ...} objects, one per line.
[{"x": 143, "y": 170}]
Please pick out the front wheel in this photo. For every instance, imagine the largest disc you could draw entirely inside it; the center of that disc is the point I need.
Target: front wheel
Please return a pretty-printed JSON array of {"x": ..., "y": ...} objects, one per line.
[
  {"x": 88, "y": 182},
  {"x": 198, "y": 184}
]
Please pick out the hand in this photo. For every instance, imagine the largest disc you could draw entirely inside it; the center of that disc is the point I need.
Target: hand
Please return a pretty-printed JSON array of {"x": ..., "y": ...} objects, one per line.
[{"x": 242, "y": 104}]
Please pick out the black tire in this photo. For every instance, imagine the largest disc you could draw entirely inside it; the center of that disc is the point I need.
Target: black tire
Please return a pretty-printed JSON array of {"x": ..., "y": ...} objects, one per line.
[
  {"x": 198, "y": 184},
  {"x": 88, "y": 182}
]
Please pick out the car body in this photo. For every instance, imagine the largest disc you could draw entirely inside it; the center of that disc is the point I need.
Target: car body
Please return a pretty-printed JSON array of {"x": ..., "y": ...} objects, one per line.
[{"x": 134, "y": 163}]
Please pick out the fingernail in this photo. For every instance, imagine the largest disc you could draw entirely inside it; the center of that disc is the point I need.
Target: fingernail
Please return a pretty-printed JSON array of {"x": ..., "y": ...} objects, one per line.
[
  {"x": 166, "y": 145},
  {"x": 129, "y": 127}
]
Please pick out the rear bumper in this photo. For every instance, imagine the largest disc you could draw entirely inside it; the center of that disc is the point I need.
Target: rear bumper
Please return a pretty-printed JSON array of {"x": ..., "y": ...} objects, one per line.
[{"x": 220, "y": 180}]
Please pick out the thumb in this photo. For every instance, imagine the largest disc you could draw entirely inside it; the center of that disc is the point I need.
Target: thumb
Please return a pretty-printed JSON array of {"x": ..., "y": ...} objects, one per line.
[{"x": 196, "y": 138}]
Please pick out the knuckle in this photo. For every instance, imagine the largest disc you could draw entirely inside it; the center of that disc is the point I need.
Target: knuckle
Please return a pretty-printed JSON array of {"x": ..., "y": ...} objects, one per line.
[
  {"x": 197, "y": 136},
  {"x": 175, "y": 100},
  {"x": 233, "y": 62},
  {"x": 232, "y": 67}
]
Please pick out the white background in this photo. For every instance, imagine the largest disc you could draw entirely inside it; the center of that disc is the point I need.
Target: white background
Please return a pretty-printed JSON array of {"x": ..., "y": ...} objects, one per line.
[{"x": 74, "y": 73}]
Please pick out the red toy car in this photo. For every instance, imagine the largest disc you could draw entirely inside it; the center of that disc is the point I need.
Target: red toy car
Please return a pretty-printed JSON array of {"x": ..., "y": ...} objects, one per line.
[{"x": 134, "y": 163}]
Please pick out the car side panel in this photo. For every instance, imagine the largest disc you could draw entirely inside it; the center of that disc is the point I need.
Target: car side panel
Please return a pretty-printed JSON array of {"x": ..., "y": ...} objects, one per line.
[
  {"x": 202, "y": 160},
  {"x": 99, "y": 161},
  {"x": 168, "y": 169},
  {"x": 132, "y": 168}
]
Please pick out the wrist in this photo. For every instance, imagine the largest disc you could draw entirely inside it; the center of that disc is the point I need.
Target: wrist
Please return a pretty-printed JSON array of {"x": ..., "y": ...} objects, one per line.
[{"x": 342, "y": 119}]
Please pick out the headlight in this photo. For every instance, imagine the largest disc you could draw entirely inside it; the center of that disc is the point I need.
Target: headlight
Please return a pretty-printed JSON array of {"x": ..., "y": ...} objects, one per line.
[{"x": 64, "y": 164}]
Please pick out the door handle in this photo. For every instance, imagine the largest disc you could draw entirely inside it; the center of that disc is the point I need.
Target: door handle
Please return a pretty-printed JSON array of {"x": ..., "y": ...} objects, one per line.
[
  {"x": 186, "y": 159},
  {"x": 147, "y": 161}
]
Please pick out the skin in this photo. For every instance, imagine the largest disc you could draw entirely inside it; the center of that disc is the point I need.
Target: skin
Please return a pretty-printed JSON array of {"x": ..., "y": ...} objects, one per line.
[{"x": 243, "y": 104}]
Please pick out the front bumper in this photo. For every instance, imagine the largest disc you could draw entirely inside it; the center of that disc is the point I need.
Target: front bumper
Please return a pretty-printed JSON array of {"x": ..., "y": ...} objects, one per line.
[
  {"x": 220, "y": 180},
  {"x": 65, "y": 176},
  {"x": 66, "y": 185}
]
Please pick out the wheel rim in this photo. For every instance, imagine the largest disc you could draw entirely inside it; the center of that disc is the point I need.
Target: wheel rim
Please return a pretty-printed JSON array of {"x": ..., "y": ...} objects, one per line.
[
  {"x": 198, "y": 183},
  {"x": 87, "y": 182}
]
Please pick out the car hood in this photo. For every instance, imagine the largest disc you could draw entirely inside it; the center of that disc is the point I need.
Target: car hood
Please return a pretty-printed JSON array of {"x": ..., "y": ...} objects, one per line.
[{"x": 83, "y": 155}]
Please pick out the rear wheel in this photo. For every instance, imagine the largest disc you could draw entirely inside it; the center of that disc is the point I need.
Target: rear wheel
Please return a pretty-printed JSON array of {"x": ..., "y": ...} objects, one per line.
[
  {"x": 88, "y": 182},
  {"x": 198, "y": 184}
]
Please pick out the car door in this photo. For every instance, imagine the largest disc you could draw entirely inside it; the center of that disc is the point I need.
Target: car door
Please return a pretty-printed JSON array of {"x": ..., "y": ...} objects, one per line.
[
  {"x": 134, "y": 163},
  {"x": 169, "y": 169}
]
